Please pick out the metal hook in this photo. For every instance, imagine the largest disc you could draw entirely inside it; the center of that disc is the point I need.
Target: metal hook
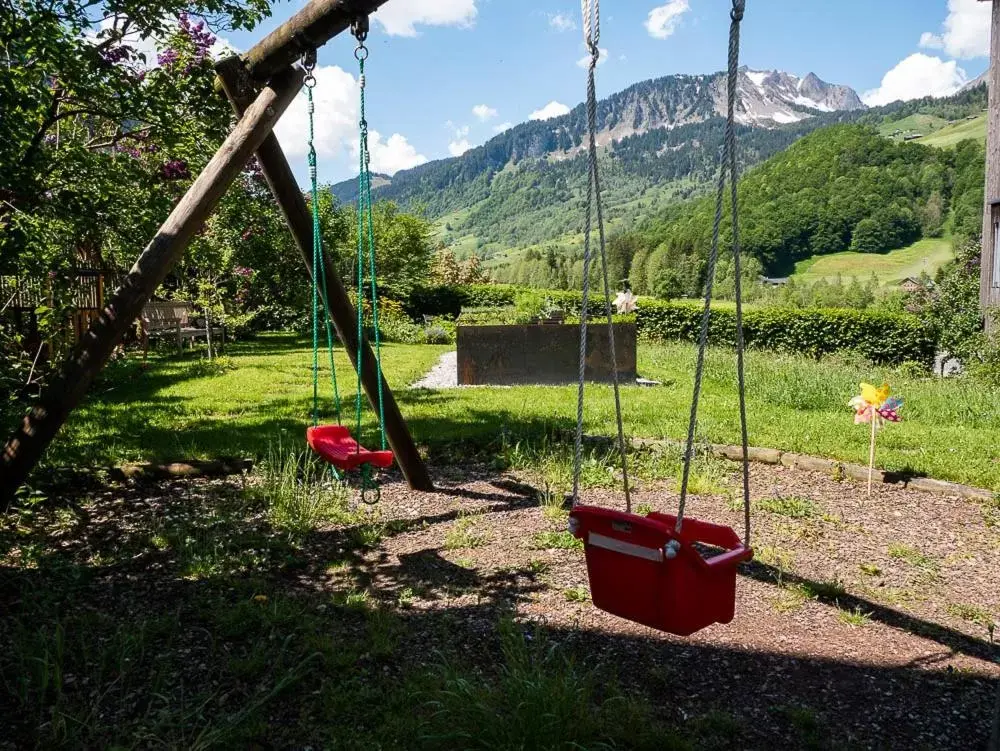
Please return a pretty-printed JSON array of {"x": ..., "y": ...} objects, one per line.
[{"x": 359, "y": 28}]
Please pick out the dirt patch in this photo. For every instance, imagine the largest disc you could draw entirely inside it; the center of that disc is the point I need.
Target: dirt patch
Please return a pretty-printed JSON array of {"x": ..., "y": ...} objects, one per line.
[
  {"x": 861, "y": 623},
  {"x": 868, "y": 617}
]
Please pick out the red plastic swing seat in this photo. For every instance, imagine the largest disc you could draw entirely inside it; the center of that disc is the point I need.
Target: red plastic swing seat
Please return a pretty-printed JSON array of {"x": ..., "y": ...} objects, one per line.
[
  {"x": 632, "y": 577},
  {"x": 336, "y": 445}
]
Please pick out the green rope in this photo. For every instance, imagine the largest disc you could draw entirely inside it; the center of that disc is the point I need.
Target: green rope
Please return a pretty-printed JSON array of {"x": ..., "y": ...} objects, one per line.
[
  {"x": 318, "y": 271},
  {"x": 365, "y": 213}
]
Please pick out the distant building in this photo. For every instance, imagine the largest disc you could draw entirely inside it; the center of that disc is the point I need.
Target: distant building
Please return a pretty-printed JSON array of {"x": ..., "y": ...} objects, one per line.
[
  {"x": 912, "y": 136},
  {"x": 912, "y": 284},
  {"x": 774, "y": 281}
]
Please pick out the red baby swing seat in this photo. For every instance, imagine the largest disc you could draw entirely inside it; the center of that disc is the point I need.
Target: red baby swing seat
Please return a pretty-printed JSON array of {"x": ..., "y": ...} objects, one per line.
[{"x": 642, "y": 569}]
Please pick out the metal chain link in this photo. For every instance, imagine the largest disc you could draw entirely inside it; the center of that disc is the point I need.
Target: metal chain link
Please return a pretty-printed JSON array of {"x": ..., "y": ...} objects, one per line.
[
  {"x": 728, "y": 164},
  {"x": 592, "y": 33}
]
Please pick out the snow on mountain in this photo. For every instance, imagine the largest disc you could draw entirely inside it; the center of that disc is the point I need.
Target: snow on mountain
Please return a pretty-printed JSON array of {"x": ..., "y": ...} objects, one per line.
[
  {"x": 974, "y": 83},
  {"x": 774, "y": 97}
]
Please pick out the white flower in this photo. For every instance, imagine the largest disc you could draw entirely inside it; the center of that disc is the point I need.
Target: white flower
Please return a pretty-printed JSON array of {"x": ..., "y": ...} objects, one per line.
[{"x": 625, "y": 302}]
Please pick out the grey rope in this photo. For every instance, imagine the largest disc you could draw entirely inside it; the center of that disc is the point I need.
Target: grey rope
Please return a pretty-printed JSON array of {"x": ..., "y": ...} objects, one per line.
[
  {"x": 592, "y": 34},
  {"x": 728, "y": 164}
]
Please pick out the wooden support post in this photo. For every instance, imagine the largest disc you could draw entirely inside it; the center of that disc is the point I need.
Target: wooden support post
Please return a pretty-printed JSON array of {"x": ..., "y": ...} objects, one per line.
[
  {"x": 310, "y": 28},
  {"x": 26, "y": 446},
  {"x": 286, "y": 192},
  {"x": 989, "y": 291}
]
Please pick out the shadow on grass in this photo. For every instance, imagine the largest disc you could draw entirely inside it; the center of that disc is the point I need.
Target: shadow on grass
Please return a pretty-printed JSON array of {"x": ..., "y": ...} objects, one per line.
[{"x": 181, "y": 617}]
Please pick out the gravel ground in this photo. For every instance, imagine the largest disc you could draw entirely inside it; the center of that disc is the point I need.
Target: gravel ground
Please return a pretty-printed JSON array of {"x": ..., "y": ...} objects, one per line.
[
  {"x": 865, "y": 620},
  {"x": 444, "y": 375},
  {"x": 861, "y": 623}
]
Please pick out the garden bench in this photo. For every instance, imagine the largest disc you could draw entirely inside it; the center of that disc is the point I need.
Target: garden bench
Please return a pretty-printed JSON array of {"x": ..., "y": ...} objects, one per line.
[{"x": 174, "y": 319}]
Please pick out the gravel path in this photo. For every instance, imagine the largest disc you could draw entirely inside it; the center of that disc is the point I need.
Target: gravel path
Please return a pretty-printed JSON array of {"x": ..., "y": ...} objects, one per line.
[
  {"x": 444, "y": 375},
  {"x": 862, "y": 623}
]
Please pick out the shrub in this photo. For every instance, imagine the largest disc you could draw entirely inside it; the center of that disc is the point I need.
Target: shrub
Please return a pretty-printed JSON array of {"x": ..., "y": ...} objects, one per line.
[
  {"x": 437, "y": 334},
  {"x": 400, "y": 330},
  {"x": 441, "y": 300},
  {"x": 883, "y": 338}
]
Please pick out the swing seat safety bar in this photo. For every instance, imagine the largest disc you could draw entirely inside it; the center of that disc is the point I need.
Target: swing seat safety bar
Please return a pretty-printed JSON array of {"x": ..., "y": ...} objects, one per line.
[
  {"x": 336, "y": 445},
  {"x": 642, "y": 569}
]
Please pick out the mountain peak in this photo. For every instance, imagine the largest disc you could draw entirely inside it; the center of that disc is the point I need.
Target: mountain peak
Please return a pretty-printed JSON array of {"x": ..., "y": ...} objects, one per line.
[
  {"x": 774, "y": 97},
  {"x": 974, "y": 83},
  {"x": 766, "y": 99}
]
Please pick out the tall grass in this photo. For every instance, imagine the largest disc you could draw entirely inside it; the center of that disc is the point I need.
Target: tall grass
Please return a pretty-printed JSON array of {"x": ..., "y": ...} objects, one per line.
[
  {"x": 538, "y": 698},
  {"x": 301, "y": 492}
]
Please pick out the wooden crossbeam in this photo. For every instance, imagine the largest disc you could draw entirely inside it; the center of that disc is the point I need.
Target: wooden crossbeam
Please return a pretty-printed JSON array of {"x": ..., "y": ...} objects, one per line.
[{"x": 310, "y": 28}]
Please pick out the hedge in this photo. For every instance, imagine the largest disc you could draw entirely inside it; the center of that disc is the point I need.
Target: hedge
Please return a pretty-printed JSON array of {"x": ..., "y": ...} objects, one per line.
[
  {"x": 448, "y": 300},
  {"x": 884, "y": 338}
]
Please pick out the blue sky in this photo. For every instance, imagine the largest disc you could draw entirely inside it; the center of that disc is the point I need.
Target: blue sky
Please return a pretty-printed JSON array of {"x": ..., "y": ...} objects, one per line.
[{"x": 433, "y": 61}]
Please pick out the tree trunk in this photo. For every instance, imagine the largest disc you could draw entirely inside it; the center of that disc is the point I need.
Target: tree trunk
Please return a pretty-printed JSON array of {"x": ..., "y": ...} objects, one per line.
[
  {"x": 989, "y": 294},
  {"x": 26, "y": 446}
]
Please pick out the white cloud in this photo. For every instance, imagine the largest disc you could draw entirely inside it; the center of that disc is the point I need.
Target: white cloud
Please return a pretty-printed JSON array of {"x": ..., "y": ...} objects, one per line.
[
  {"x": 966, "y": 31},
  {"x": 401, "y": 18},
  {"x": 918, "y": 76},
  {"x": 459, "y": 147},
  {"x": 502, "y": 127},
  {"x": 561, "y": 22},
  {"x": 550, "y": 110},
  {"x": 336, "y": 100},
  {"x": 484, "y": 112},
  {"x": 223, "y": 48},
  {"x": 460, "y": 143},
  {"x": 584, "y": 61},
  {"x": 664, "y": 20},
  {"x": 395, "y": 154}
]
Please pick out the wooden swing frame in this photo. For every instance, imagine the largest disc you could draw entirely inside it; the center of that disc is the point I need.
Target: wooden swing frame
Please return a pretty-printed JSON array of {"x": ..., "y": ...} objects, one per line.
[{"x": 260, "y": 85}]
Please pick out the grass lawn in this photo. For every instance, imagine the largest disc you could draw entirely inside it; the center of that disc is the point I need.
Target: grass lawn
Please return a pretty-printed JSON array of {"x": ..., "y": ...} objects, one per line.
[
  {"x": 261, "y": 395},
  {"x": 916, "y": 123},
  {"x": 925, "y": 255},
  {"x": 936, "y": 131},
  {"x": 956, "y": 132}
]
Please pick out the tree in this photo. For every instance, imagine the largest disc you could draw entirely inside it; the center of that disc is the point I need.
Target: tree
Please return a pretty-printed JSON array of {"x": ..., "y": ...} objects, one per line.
[
  {"x": 472, "y": 271},
  {"x": 445, "y": 269},
  {"x": 100, "y": 140},
  {"x": 621, "y": 250},
  {"x": 637, "y": 274},
  {"x": 97, "y": 137},
  {"x": 932, "y": 215},
  {"x": 403, "y": 250},
  {"x": 951, "y": 305}
]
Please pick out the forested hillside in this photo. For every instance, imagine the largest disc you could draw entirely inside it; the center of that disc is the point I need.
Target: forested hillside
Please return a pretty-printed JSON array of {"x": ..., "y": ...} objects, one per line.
[
  {"x": 837, "y": 189},
  {"x": 840, "y": 188},
  {"x": 659, "y": 140}
]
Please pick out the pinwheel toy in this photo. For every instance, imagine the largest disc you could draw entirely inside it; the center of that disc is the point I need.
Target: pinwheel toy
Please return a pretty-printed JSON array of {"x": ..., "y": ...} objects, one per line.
[{"x": 873, "y": 406}]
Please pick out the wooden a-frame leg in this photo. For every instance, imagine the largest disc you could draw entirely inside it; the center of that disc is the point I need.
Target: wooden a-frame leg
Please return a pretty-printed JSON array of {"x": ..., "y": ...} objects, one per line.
[
  {"x": 286, "y": 192},
  {"x": 26, "y": 446}
]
